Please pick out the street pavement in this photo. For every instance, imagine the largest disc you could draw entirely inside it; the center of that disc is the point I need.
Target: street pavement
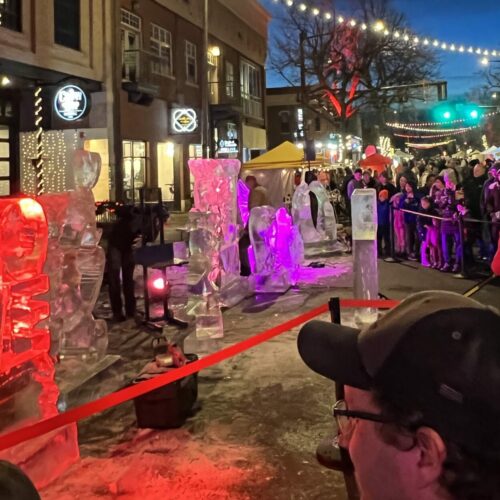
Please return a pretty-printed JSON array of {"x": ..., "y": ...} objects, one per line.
[{"x": 259, "y": 414}]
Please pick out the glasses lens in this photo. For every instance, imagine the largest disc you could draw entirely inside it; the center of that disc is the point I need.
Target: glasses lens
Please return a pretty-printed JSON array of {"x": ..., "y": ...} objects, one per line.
[{"x": 343, "y": 421}]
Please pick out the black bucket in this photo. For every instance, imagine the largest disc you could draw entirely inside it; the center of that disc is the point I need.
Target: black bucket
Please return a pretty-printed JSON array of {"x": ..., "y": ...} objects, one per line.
[{"x": 169, "y": 406}]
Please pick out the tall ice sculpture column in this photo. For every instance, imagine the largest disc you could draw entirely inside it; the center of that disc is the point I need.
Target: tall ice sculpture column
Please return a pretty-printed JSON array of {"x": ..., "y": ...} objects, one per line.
[
  {"x": 364, "y": 235},
  {"x": 214, "y": 267}
]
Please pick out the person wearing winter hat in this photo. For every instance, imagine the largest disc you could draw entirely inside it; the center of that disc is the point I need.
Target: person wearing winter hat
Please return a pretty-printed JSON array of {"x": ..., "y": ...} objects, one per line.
[{"x": 421, "y": 414}]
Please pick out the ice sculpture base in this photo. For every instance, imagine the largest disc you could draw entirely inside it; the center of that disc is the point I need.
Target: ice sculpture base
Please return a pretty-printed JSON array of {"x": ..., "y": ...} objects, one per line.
[
  {"x": 272, "y": 284},
  {"x": 45, "y": 458},
  {"x": 235, "y": 291},
  {"x": 365, "y": 279}
]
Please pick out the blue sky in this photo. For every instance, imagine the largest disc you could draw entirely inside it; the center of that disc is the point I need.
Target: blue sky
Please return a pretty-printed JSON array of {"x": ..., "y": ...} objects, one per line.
[{"x": 467, "y": 22}]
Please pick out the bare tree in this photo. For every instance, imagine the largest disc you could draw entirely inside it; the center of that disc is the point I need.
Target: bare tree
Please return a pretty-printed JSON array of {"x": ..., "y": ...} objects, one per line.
[{"x": 351, "y": 65}]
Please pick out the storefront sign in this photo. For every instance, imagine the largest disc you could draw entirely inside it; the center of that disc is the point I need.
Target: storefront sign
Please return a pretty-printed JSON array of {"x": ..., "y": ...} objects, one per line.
[
  {"x": 228, "y": 146},
  {"x": 184, "y": 120},
  {"x": 70, "y": 103}
]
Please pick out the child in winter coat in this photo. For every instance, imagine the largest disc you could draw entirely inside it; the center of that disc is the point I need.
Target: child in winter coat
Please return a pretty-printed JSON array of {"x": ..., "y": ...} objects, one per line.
[
  {"x": 384, "y": 224},
  {"x": 409, "y": 201},
  {"x": 399, "y": 225},
  {"x": 428, "y": 234}
]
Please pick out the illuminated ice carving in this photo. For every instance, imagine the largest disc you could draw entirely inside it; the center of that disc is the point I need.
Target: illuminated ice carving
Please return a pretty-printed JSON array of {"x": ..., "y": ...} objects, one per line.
[
  {"x": 364, "y": 235},
  {"x": 277, "y": 248},
  {"x": 75, "y": 262},
  {"x": 27, "y": 387},
  {"x": 243, "y": 199},
  {"x": 324, "y": 233},
  {"x": 214, "y": 265}
]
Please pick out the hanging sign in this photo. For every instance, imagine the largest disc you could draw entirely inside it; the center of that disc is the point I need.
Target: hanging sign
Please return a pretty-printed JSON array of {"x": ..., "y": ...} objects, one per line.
[
  {"x": 70, "y": 103},
  {"x": 184, "y": 120}
]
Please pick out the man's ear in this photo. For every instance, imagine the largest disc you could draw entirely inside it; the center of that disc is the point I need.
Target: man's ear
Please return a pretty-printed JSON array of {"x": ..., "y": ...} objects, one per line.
[{"x": 432, "y": 455}]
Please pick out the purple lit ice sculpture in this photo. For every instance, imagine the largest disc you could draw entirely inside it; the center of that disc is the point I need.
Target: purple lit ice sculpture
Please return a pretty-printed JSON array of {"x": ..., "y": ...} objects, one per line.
[
  {"x": 75, "y": 263},
  {"x": 277, "y": 248},
  {"x": 243, "y": 200},
  {"x": 214, "y": 273},
  {"x": 324, "y": 236}
]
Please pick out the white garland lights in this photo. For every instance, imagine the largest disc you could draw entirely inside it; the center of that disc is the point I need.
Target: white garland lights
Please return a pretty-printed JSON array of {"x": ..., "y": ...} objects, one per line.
[
  {"x": 380, "y": 27},
  {"x": 417, "y": 145}
]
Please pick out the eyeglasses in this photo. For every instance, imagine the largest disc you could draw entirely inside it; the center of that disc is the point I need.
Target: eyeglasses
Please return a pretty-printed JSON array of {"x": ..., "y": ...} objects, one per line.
[{"x": 345, "y": 417}]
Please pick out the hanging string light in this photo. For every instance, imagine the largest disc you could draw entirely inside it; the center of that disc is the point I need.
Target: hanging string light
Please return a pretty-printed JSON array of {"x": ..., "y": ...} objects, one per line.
[
  {"x": 420, "y": 125},
  {"x": 431, "y": 136},
  {"x": 379, "y": 26},
  {"x": 38, "y": 162},
  {"x": 417, "y": 145}
]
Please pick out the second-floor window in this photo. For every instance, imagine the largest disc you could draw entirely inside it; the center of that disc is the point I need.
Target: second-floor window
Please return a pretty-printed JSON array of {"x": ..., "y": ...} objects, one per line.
[
  {"x": 229, "y": 79},
  {"x": 10, "y": 15},
  {"x": 250, "y": 81},
  {"x": 191, "y": 66},
  {"x": 67, "y": 23},
  {"x": 161, "y": 48},
  {"x": 131, "y": 44}
]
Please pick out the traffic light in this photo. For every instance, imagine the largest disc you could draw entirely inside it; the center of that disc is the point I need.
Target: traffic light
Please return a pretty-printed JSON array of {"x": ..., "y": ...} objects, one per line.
[
  {"x": 444, "y": 113},
  {"x": 472, "y": 113}
]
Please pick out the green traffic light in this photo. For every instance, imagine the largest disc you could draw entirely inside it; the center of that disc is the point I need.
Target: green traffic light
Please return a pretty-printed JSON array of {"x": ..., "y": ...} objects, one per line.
[
  {"x": 474, "y": 113},
  {"x": 446, "y": 115}
]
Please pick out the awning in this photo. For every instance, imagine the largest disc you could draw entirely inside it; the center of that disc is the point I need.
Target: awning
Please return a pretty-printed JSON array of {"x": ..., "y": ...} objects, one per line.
[
  {"x": 286, "y": 155},
  {"x": 376, "y": 162},
  {"x": 254, "y": 138}
]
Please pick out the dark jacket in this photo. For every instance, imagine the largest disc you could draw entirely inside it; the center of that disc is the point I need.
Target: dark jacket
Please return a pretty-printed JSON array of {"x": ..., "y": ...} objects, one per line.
[
  {"x": 473, "y": 187},
  {"x": 423, "y": 221},
  {"x": 391, "y": 188},
  {"x": 409, "y": 204},
  {"x": 383, "y": 212}
]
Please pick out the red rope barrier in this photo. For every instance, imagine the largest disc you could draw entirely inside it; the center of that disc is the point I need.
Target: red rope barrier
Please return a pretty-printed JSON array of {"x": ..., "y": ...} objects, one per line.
[{"x": 116, "y": 398}]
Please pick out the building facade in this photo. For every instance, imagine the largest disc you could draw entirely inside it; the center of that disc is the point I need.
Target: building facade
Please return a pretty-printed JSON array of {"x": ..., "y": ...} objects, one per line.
[
  {"x": 51, "y": 48},
  {"x": 138, "y": 65},
  {"x": 289, "y": 120},
  {"x": 162, "y": 80}
]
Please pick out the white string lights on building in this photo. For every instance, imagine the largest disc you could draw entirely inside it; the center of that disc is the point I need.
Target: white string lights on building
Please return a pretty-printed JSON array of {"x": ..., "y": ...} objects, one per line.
[
  {"x": 379, "y": 26},
  {"x": 431, "y": 136},
  {"x": 57, "y": 152},
  {"x": 38, "y": 159}
]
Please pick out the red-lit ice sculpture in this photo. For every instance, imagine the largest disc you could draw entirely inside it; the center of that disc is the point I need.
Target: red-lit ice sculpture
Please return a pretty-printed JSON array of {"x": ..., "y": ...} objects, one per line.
[{"x": 28, "y": 391}]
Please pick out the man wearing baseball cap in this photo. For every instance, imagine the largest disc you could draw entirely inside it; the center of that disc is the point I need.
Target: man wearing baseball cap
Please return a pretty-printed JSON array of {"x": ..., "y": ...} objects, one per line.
[{"x": 421, "y": 416}]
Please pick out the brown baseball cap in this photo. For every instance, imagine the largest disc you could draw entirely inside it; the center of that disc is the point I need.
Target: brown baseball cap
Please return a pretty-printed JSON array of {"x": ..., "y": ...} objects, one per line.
[{"x": 436, "y": 353}]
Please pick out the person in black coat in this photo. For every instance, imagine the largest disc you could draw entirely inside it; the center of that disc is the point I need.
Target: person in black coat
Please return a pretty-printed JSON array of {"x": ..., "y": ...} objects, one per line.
[
  {"x": 120, "y": 259},
  {"x": 410, "y": 201}
]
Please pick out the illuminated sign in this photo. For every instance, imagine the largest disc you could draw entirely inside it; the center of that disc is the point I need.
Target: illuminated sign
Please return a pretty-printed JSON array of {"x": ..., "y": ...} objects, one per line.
[
  {"x": 228, "y": 147},
  {"x": 184, "y": 120},
  {"x": 70, "y": 103}
]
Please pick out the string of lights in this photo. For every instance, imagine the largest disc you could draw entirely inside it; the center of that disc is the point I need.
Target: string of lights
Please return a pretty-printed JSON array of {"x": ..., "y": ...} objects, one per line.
[
  {"x": 431, "y": 136},
  {"x": 421, "y": 125},
  {"x": 380, "y": 27},
  {"x": 428, "y": 145}
]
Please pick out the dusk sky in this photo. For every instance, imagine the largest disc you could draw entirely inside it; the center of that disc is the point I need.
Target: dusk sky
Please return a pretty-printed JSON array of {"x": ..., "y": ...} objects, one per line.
[{"x": 454, "y": 21}]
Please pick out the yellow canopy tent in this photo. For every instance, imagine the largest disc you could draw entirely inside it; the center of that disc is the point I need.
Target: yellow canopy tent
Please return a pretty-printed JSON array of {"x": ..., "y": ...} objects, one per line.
[{"x": 286, "y": 155}]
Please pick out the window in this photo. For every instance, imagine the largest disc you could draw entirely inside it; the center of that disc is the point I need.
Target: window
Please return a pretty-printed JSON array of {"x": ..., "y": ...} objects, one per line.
[
  {"x": 229, "y": 79},
  {"x": 161, "y": 48},
  {"x": 317, "y": 123},
  {"x": 135, "y": 159},
  {"x": 251, "y": 89},
  {"x": 67, "y": 23},
  {"x": 191, "y": 69},
  {"x": 131, "y": 20},
  {"x": 285, "y": 121},
  {"x": 4, "y": 161},
  {"x": 10, "y": 14}
]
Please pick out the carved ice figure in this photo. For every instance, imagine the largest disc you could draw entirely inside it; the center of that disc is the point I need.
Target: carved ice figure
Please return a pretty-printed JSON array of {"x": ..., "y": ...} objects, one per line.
[
  {"x": 214, "y": 265},
  {"x": 27, "y": 384},
  {"x": 277, "y": 248},
  {"x": 324, "y": 233},
  {"x": 75, "y": 262}
]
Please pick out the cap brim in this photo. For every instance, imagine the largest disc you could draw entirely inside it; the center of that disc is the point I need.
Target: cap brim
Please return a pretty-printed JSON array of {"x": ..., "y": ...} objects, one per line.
[{"x": 332, "y": 351}]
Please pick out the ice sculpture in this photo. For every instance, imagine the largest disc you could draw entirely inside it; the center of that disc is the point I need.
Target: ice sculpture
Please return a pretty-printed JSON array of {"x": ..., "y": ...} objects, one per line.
[
  {"x": 277, "y": 248},
  {"x": 364, "y": 235},
  {"x": 323, "y": 235},
  {"x": 27, "y": 387},
  {"x": 214, "y": 265},
  {"x": 243, "y": 199},
  {"x": 75, "y": 263}
]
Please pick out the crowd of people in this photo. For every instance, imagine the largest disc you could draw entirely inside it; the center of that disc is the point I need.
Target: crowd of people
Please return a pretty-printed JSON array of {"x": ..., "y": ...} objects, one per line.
[{"x": 427, "y": 199}]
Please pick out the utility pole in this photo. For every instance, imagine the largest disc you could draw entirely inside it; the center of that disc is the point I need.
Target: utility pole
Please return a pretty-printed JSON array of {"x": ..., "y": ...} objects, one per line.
[{"x": 205, "y": 120}]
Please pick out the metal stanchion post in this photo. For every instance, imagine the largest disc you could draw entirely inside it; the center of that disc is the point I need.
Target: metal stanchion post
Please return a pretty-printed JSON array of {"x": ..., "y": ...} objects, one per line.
[
  {"x": 392, "y": 258},
  {"x": 463, "y": 272}
]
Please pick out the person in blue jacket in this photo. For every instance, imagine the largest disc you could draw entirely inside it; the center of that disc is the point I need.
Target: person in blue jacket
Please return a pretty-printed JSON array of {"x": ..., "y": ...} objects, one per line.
[{"x": 410, "y": 201}]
